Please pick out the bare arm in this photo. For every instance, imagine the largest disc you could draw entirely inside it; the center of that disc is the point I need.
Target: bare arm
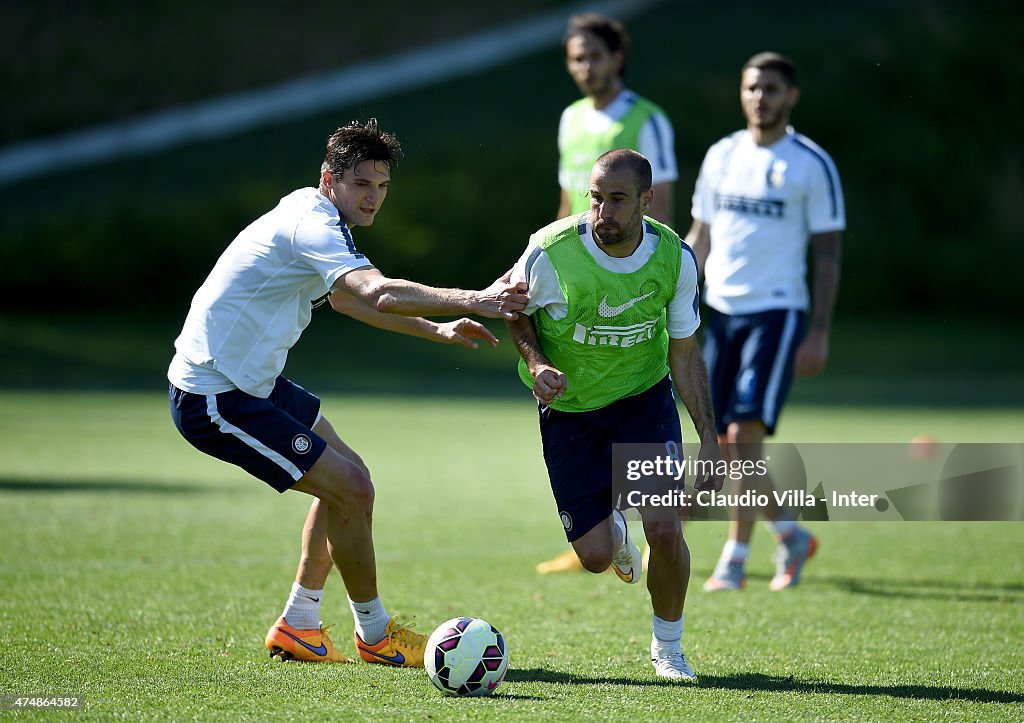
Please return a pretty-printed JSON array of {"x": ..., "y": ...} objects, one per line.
[
  {"x": 563, "y": 205},
  {"x": 826, "y": 250},
  {"x": 501, "y": 300},
  {"x": 663, "y": 205},
  {"x": 462, "y": 331},
  {"x": 548, "y": 382},
  {"x": 698, "y": 238},
  {"x": 690, "y": 377}
]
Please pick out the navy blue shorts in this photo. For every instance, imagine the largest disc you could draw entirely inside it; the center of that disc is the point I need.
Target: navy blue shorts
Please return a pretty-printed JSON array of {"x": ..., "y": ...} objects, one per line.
[
  {"x": 578, "y": 450},
  {"x": 272, "y": 438},
  {"x": 750, "y": 363}
]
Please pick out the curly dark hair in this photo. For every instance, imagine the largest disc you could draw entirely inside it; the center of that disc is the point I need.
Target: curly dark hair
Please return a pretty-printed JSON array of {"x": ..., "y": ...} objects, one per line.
[
  {"x": 610, "y": 31},
  {"x": 356, "y": 142}
]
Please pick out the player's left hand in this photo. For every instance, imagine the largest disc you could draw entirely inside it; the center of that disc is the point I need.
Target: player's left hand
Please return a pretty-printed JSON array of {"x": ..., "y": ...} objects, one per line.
[
  {"x": 811, "y": 355},
  {"x": 464, "y": 331},
  {"x": 710, "y": 457}
]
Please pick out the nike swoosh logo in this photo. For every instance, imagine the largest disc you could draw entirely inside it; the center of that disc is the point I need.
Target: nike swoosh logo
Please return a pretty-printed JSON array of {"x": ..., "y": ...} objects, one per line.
[
  {"x": 609, "y": 311},
  {"x": 397, "y": 659},
  {"x": 625, "y": 574},
  {"x": 322, "y": 650}
]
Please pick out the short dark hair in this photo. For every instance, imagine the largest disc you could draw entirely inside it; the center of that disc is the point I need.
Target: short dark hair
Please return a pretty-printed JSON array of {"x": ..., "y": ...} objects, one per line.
[
  {"x": 356, "y": 142},
  {"x": 773, "y": 61},
  {"x": 627, "y": 158},
  {"x": 611, "y": 32}
]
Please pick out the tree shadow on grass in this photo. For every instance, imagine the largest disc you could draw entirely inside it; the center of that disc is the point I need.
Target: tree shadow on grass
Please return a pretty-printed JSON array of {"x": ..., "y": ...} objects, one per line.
[
  {"x": 777, "y": 684},
  {"x": 57, "y": 486}
]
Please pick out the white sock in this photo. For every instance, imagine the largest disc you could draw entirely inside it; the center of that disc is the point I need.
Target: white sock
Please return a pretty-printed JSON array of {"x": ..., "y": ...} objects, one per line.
[
  {"x": 783, "y": 526},
  {"x": 303, "y": 608},
  {"x": 667, "y": 636},
  {"x": 738, "y": 551},
  {"x": 371, "y": 619},
  {"x": 620, "y": 525}
]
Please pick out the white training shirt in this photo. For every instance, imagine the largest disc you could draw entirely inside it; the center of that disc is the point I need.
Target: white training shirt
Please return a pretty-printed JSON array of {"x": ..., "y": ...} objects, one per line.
[
  {"x": 258, "y": 298},
  {"x": 763, "y": 204},
  {"x": 535, "y": 267},
  {"x": 656, "y": 140}
]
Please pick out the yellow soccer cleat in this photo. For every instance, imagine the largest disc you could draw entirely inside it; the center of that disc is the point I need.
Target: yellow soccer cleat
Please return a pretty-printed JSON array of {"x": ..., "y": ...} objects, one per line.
[
  {"x": 400, "y": 646},
  {"x": 564, "y": 562},
  {"x": 287, "y": 643}
]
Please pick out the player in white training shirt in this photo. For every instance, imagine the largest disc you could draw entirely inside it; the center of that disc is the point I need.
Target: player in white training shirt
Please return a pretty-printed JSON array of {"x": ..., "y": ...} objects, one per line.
[
  {"x": 764, "y": 194},
  {"x": 229, "y": 400}
]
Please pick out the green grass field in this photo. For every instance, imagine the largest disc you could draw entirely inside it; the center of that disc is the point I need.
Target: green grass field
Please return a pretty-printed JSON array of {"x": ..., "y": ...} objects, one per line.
[{"x": 142, "y": 575}]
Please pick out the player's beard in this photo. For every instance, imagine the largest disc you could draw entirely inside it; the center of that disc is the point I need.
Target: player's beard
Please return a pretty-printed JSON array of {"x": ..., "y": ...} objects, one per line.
[
  {"x": 771, "y": 120},
  {"x": 614, "y": 235}
]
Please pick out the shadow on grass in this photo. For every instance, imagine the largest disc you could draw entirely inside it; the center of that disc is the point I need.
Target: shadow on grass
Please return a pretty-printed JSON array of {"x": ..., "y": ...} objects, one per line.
[
  {"x": 778, "y": 684},
  {"x": 981, "y": 592},
  {"x": 927, "y": 589},
  {"x": 54, "y": 486}
]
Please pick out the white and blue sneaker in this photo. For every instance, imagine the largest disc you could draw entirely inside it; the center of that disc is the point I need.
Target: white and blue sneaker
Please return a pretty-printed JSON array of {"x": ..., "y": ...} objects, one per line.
[
  {"x": 728, "y": 575},
  {"x": 790, "y": 557}
]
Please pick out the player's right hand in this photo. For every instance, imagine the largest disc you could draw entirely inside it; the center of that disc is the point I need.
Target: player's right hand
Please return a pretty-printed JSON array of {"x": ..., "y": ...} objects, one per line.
[
  {"x": 502, "y": 299},
  {"x": 548, "y": 383}
]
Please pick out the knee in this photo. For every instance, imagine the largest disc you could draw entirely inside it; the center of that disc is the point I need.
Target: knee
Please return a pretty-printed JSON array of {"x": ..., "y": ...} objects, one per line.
[
  {"x": 665, "y": 538},
  {"x": 745, "y": 433},
  {"x": 595, "y": 559},
  {"x": 352, "y": 491}
]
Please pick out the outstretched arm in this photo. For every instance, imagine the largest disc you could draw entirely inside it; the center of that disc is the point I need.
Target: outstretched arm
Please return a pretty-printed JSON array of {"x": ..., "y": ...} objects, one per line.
[
  {"x": 462, "y": 331},
  {"x": 690, "y": 376},
  {"x": 548, "y": 382},
  {"x": 811, "y": 355},
  {"x": 501, "y": 300}
]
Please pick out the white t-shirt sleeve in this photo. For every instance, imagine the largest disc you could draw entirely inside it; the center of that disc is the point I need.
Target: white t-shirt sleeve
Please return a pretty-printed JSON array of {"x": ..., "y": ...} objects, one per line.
[
  {"x": 657, "y": 143},
  {"x": 535, "y": 268},
  {"x": 825, "y": 208},
  {"x": 683, "y": 309},
  {"x": 329, "y": 250}
]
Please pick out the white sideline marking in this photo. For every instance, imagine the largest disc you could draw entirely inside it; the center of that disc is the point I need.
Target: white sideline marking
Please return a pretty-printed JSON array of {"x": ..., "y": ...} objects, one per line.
[{"x": 299, "y": 98}]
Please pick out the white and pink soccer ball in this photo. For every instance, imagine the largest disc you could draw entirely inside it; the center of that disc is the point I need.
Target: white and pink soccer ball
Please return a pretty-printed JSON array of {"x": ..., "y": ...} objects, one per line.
[{"x": 466, "y": 656}]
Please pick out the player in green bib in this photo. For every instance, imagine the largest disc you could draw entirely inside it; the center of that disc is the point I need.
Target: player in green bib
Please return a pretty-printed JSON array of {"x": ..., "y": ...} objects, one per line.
[
  {"x": 608, "y": 116},
  {"x": 612, "y": 312}
]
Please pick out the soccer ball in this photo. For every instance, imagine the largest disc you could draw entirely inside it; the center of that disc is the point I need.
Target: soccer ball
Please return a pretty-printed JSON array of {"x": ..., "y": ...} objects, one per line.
[{"x": 466, "y": 656}]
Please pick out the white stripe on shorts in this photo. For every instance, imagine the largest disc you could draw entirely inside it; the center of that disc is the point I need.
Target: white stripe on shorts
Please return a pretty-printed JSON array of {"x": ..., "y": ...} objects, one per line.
[
  {"x": 228, "y": 428},
  {"x": 771, "y": 392}
]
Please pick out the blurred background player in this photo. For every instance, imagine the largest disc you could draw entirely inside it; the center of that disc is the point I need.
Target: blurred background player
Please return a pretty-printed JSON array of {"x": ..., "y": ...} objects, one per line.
[
  {"x": 608, "y": 116},
  {"x": 763, "y": 194},
  {"x": 628, "y": 279},
  {"x": 229, "y": 400}
]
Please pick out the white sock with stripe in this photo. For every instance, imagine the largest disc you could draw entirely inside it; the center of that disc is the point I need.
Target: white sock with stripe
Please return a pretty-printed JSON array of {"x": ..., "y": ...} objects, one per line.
[
  {"x": 371, "y": 619},
  {"x": 302, "y": 610}
]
